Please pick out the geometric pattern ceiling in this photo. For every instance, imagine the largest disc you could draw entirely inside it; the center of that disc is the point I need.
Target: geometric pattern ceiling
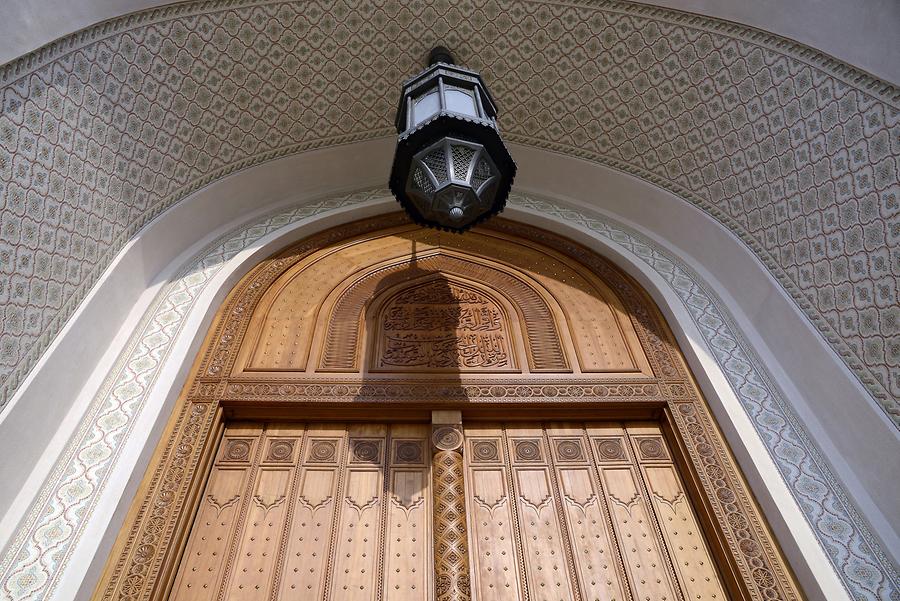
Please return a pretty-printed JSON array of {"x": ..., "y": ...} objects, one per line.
[{"x": 793, "y": 151}]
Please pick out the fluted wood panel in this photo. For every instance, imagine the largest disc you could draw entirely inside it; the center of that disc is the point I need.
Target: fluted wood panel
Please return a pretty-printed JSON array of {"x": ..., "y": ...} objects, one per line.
[
  {"x": 327, "y": 511},
  {"x": 591, "y": 511}
]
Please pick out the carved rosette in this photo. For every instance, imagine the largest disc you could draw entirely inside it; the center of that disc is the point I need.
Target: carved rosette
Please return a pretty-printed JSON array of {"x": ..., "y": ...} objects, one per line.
[{"x": 451, "y": 548}]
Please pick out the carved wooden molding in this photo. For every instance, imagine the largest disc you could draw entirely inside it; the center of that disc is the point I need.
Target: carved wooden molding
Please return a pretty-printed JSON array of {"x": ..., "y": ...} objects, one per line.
[
  {"x": 451, "y": 549},
  {"x": 151, "y": 544}
]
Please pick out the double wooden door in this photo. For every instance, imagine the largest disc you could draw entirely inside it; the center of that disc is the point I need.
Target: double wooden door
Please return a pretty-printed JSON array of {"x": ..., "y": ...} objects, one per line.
[{"x": 590, "y": 511}]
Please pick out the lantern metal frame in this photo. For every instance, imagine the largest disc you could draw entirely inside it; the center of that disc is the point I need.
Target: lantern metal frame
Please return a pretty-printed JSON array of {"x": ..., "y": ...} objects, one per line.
[{"x": 454, "y": 197}]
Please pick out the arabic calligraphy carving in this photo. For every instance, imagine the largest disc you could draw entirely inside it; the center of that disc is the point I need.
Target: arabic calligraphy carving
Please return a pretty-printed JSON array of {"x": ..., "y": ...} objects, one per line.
[{"x": 443, "y": 325}]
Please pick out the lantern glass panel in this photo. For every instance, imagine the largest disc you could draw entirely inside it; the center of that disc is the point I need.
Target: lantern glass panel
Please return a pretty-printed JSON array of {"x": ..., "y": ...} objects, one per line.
[
  {"x": 451, "y": 169},
  {"x": 461, "y": 101},
  {"x": 425, "y": 106}
]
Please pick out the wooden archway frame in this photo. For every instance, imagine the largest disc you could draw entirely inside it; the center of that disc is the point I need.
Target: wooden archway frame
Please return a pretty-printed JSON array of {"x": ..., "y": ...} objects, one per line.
[
  {"x": 143, "y": 562},
  {"x": 545, "y": 346}
]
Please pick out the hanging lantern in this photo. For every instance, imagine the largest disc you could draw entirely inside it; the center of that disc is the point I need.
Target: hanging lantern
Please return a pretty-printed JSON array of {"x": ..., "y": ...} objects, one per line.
[{"x": 451, "y": 169}]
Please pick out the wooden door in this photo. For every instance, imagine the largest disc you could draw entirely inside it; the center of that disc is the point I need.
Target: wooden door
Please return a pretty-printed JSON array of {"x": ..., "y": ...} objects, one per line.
[
  {"x": 382, "y": 318},
  {"x": 310, "y": 512},
  {"x": 591, "y": 511}
]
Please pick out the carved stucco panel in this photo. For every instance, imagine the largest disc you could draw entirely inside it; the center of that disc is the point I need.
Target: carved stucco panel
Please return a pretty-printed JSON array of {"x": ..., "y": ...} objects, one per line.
[{"x": 793, "y": 151}]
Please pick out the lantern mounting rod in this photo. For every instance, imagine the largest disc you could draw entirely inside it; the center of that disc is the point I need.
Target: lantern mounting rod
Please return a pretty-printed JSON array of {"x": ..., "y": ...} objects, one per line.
[{"x": 440, "y": 54}]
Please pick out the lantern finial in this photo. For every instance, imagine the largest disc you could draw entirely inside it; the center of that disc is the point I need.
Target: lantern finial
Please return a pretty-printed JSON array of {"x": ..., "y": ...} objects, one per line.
[{"x": 440, "y": 54}]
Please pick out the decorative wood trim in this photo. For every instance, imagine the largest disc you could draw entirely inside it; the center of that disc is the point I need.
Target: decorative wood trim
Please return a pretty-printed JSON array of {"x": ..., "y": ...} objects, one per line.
[
  {"x": 143, "y": 562},
  {"x": 451, "y": 549}
]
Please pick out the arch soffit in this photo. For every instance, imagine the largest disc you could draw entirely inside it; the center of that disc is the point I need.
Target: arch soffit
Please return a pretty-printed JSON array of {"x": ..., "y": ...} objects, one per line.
[
  {"x": 833, "y": 504},
  {"x": 814, "y": 141}
]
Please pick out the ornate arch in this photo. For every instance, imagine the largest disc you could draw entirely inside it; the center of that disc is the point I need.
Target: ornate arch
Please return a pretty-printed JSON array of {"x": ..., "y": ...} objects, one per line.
[
  {"x": 44, "y": 551},
  {"x": 151, "y": 542},
  {"x": 544, "y": 345}
]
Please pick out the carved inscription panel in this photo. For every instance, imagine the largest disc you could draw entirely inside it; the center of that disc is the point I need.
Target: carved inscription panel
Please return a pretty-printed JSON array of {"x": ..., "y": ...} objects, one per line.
[
  {"x": 327, "y": 511},
  {"x": 486, "y": 302},
  {"x": 582, "y": 511},
  {"x": 442, "y": 325}
]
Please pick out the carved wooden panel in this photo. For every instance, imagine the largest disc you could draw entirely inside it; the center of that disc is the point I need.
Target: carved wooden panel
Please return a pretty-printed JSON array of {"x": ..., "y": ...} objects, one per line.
[
  {"x": 583, "y": 511},
  {"x": 542, "y": 339},
  {"x": 550, "y": 316},
  {"x": 442, "y": 325},
  {"x": 581, "y": 334},
  {"x": 319, "y": 512}
]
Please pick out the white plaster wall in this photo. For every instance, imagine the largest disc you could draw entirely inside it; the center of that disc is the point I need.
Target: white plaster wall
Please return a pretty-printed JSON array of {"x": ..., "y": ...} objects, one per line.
[
  {"x": 42, "y": 415},
  {"x": 860, "y": 32},
  {"x": 852, "y": 433}
]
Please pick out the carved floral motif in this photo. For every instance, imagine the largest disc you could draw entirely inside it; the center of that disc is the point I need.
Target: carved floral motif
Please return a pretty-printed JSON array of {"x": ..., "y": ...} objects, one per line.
[
  {"x": 280, "y": 450},
  {"x": 408, "y": 451},
  {"x": 528, "y": 450},
  {"x": 447, "y": 438},
  {"x": 322, "y": 451},
  {"x": 651, "y": 448},
  {"x": 366, "y": 451},
  {"x": 237, "y": 449},
  {"x": 610, "y": 449},
  {"x": 569, "y": 450},
  {"x": 484, "y": 450}
]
